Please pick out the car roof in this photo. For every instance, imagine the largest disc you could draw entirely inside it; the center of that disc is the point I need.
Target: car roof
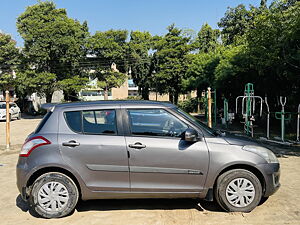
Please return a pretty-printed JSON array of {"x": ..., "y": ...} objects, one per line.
[{"x": 50, "y": 106}]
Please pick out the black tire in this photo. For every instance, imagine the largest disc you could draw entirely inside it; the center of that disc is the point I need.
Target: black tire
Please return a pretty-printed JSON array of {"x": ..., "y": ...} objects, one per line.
[
  {"x": 224, "y": 180},
  {"x": 19, "y": 116},
  {"x": 54, "y": 177}
]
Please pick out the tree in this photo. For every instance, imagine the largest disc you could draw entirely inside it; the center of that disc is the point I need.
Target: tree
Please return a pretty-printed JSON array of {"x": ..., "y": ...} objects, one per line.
[
  {"x": 9, "y": 56},
  {"x": 201, "y": 70},
  {"x": 140, "y": 61},
  {"x": 207, "y": 39},
  {"x": 171, "y": 62},
  {"x": 235, "y": 23},
  {"x": 53, "y": 42},
  {"x": 108, "y": 47},
  {"x": 108, "y": 79},
  {"x": 29, "y": 81},
  {"x": 72, "y": 86},
  {"x": 263, "y": 3},
  {"x": 274, "y": 49}
]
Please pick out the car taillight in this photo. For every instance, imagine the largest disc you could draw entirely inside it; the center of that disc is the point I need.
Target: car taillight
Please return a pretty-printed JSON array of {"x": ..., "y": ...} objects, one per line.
[{"x": 33, "y": 143}]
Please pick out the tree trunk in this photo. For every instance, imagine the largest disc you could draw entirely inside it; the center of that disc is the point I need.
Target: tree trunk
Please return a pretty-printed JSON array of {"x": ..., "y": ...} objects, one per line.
[
  {"x": 171, "y": 97},
  {"x": 105, "y": 93},
  {"x": 145, "y": 93},
  {"x": 49, "y": 97},
  {"x": 175, "y": 98}
]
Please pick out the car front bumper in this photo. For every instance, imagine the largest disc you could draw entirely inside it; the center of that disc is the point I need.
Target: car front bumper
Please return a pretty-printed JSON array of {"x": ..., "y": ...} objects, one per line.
[{"x": 271, "y": 173}]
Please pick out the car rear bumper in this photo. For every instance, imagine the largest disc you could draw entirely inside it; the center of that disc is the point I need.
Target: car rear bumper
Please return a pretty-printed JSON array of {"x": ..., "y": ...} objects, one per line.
[
  {"x": 21, "y": 173},
  {"x": 271, "y": 173}
]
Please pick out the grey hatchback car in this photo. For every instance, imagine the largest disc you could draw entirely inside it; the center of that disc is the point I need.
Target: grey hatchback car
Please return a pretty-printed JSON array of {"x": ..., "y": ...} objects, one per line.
[{"x": 138, "y": 149}]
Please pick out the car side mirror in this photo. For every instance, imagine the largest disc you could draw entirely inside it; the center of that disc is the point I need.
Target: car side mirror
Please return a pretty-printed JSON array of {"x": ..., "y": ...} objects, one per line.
[{"x": 191, "y": 135}]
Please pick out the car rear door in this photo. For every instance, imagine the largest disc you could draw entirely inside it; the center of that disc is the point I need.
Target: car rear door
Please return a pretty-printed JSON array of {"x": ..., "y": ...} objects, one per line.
[
  {"x": 92, "y": 143},
  {"x": 160, "y": 160}
]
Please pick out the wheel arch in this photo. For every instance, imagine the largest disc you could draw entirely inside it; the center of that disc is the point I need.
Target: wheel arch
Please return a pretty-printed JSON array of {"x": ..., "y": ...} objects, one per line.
[
  {"x": 250, "y": 168},
  {"x": 50, "y": 169}
]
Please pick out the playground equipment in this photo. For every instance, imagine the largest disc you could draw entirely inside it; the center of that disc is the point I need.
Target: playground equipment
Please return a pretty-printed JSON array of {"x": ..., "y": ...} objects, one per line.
[
  {"x": 225, "y": 112},
  {"x": 282, "y": 116},
  {"x": 248, "y": 111},
  {"x": 298, "y": 123},
  {"x": 227, "y": 117},
  {"x": 268, "y": 118}
]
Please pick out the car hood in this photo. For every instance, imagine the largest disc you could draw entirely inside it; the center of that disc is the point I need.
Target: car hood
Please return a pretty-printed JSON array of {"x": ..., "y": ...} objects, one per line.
[{"x": 234, "y": 139}]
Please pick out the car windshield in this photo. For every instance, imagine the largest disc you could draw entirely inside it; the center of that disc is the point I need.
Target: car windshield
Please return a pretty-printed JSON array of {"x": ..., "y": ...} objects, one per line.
[
  {"x": 198, "y": 122},
  {"x": 2, "y": 106}
]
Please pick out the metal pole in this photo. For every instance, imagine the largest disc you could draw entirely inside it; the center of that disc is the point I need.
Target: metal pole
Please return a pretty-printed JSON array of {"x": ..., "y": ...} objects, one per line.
[
  {"x": 226, "y": 111},
  {"x": 209, "y": 107},
  {"x": 282, "y": 102},
  {"x": 215, "y": 108},
  {"x": 268, "y": 118},
  {"x": 7, "y": 100},
  {"x": 248, "y": 109},
  {"x": 298, "y": 123},
  {"x": 206, "y": 107}
]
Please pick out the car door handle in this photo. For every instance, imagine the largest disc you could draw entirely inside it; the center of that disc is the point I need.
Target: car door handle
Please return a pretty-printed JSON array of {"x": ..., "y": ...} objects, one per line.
[
  {"x": 137, "y": 145},
  {"x": 71, "y": 143}
]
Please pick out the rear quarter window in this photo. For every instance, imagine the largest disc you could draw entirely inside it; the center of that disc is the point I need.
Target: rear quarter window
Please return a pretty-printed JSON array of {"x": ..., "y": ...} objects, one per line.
[{"x": 42, "y": 123}]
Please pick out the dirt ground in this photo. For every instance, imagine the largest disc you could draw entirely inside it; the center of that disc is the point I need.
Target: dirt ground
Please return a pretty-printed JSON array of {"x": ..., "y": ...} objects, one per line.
[{"x": 281, "y": 208}]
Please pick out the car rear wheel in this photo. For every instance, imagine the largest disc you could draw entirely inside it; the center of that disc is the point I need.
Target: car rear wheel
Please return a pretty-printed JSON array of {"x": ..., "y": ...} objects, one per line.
[
  {"x": 53, "y": 195},
  {"x": 238, "y": 190}
]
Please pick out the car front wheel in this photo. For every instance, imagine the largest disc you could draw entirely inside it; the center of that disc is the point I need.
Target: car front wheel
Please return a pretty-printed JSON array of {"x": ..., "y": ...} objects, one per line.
[
  {"x": 53, "y": 195},
  {"x": 238, "y": 190}
]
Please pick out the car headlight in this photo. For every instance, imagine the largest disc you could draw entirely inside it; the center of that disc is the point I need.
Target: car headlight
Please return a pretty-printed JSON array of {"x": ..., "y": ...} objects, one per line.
[{"x": 268, "y": 155}]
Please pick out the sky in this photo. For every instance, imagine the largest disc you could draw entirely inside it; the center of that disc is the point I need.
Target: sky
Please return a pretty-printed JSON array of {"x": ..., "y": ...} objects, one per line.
[{"x": 144, "y": 15}]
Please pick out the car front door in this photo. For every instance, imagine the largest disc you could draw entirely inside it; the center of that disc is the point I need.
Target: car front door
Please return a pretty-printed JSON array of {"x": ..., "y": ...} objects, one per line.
[
  {"x": 160, "y": 160},
  {"x": 92, "y": 143}
]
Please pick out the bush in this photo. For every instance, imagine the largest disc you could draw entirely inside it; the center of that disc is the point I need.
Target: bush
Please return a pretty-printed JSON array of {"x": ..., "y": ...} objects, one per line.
[
  {"x": 189, "y": 105},
  {"x": 134, "y": 98}
]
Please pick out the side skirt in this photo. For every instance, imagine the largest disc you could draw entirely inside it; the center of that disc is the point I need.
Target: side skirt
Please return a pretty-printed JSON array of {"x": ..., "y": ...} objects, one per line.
[{"x": 136, "y": 195}]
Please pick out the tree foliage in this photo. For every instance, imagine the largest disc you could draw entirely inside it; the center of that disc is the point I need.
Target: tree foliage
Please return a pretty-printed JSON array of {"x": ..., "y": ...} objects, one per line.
[
  {"x": 30, "y": 81},
  {"x": 108, "y": 79},
  {"x": 207, "y": 39},
  {"x": 257, "y": 44},
  {"x": 261, "y": 46},
  {"x": 140, "y": 60},
  {"x": 106, "y": 48},
  {"x": 9, "y": 56},
  {"x": 235, "y": 23},
  {"x": 171, "y": 62},
  {"x": 53, "y": 42}
]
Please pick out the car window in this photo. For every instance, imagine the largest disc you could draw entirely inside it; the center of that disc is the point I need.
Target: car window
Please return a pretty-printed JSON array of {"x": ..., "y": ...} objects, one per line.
[
  {"x": 74, "y": 121},
  {"x": 43, "y": 121},
  {"x": 99, "y": 122},
  {"x": 2, "y": 106},
  {"x": 155, "y": 122},
  {"x": 197, "y": 121}
]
